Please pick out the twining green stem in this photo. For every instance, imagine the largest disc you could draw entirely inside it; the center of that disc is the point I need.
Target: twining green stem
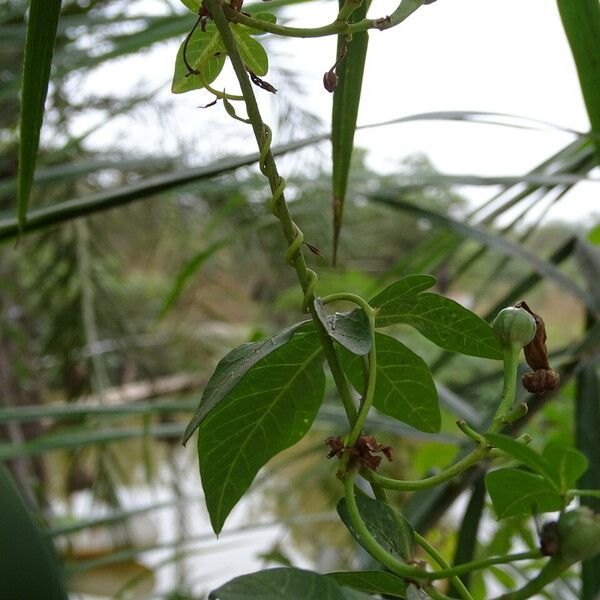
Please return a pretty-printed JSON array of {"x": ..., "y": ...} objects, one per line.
[
  {"x": 439, "y": 559},
  {"x": 504, "y": 413},
  {"x": 590, "y": 493},
  {"x": 551, "y": 571},
  {"x": 338, "y": 27},
  {"x": 367, "y": 401},
  {"x": 290, "y": 230},
  {"x": 509, "y": 387},
  {"x": 223, "y": 95},
  {"x": 408, "y": 485},
  {"x": 355, "y": 299},
  {"x": 371, "y": 545}
]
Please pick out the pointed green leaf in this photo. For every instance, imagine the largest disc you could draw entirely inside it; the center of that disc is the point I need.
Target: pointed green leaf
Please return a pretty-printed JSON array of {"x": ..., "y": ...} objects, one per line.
[
  {"x": 404, "y": 388},
  {"x": 206, "y": 54},
  {"x": 284, "y": 583},
  {"x": 393, "y": 298},
  {"x": 372, "y": 582},
  {"x": 566, "y": 464},
  {"x": 385, "y": 523},
  {"x": 346, "y": 100},
  {"x": 517, "y": 493},
  {"x": 528, "y": 456},
  {"x": 252, "y": 53},
  {"x": 351, "y": 330},
  {"x": 268, "y": 410},
  {"x": 39, "y": 48},
  {"x": 440, "y": 319},
  {"x": 232, "y": 368},
  {"x": 581, "y": 22}
]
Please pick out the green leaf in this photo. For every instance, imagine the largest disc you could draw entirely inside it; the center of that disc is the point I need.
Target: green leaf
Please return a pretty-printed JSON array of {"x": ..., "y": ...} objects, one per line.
[
  {"x": 232, "y": 368},
  {"x": 516, "y": 493},
  {"x": 441, "y": 320},
  {"x": 566, "y": 464},
  {"x": 394, "y": 297},
  {"x": 284, "y": 584},
  {"x": 351, "y": 330},
  {"x": 24, "y": 550},
  {"x": 346, "y": 100},
  {"x": 523, "y": 453},
  {"x": 252, "y": 53},
  {"x": 385, "y": 523},
  {"x": 268, "y": 410},
  {"x": 206, "y": 54},
  {"x": 372, "y": 582},
  {"x": 39, "y": 48},
  {"x": 404, "y": 388},
  {"x": 261, "y": 16},
  {"x": 581, "y": 22}
]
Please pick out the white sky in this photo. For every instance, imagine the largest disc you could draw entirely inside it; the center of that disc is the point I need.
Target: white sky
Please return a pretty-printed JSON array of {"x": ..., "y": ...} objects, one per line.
[{"x": 506, "y": 56}]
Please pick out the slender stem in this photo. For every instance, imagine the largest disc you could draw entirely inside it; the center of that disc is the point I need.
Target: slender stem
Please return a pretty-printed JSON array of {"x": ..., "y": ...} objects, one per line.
[
  {"x": 218, "y": 94},
  {"x": 509, "y": 387},
  {"x": 408, "y": 485},
  {"x": 283, "y": 213},
  {"x": 441, "y": 562},
  {"x": 369, "y": 543},
  {"x": 591, "y": 493},
  {"x": 354, "y": 298},
  {"x": 477, "y": 565},
  {"x": 404, "y": 10},
  {"x": 551, "y": 571}
]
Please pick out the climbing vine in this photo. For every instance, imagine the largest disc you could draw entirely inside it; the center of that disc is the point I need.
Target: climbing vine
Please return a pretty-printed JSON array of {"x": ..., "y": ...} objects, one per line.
[{"x": 264, "y": 396}]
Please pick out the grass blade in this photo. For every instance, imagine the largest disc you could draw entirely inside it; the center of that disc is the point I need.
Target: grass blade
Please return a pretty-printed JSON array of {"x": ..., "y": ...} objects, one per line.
[
  {"x": 346, "y": 100},
  {"x": 39, "y": 47},
  {"x": 581, "y": 21}
]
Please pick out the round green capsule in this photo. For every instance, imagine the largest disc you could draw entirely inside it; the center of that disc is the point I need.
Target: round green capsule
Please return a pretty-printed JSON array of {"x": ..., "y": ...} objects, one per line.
[{"x": 514, "y": 326}]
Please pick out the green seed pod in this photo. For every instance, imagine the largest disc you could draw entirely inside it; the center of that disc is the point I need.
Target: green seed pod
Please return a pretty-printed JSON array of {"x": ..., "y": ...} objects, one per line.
[
  {"x": 578, "y": 535},
  {"x": 514, "y": 326}
]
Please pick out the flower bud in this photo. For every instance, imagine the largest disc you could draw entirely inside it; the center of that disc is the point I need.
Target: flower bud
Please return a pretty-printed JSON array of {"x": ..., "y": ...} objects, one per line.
[
  {"x": 578, "y": 535},
  {"x": 330, "y": 81},
  {"x": 514, "y": 326}
]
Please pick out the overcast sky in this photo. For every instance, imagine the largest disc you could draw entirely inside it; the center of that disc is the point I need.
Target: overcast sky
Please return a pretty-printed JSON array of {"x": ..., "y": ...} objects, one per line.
[{"x": 506, "y": 56}]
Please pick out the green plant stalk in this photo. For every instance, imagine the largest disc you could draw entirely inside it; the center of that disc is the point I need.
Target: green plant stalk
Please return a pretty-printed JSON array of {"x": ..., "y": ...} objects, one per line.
[
  {"x": 290, "y": 231},
  {"x": 439, "y": 559},
  {"x": 408, "y": 485},
  {"x": 511, "y": 363},
  {"x": 369, "y": 543},
  {"x": 509, "y": 387},
  {"x": 551, "y": 571},
  {"x": 403, "y": 10},
  {"x": 589, "y": 493}
]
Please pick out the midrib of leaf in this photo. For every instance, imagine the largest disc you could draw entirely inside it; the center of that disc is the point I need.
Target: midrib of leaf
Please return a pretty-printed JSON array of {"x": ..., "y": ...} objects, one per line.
[
  {"x": 207, "y": 54},
  {"x": 523, "y": 499},
  {"x": 248, "y": 53},
  {"x": 225, "y": 481}
]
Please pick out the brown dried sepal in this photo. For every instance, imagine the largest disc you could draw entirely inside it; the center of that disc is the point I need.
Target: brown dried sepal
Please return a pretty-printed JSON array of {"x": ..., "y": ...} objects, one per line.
[
  {"x": 363, "y": 454},
  {"x": 330, "y": 81},
  {"x": 544, "y": 378},
  {"x": 549, "y": 539},
  {"x": 540, "y": 381}
]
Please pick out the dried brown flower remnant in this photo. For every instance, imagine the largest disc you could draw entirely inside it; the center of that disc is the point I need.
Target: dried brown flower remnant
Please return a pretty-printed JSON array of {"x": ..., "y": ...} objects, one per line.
[
  {"x": 544, "y": 378},
  {"x": 364, "y": 453}
]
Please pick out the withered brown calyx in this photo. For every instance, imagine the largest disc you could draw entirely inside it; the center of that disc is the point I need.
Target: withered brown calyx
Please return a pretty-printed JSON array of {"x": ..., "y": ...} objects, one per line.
[
  {"x": 363, "y": 453},
  {"x": 543, "y": 378}
]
